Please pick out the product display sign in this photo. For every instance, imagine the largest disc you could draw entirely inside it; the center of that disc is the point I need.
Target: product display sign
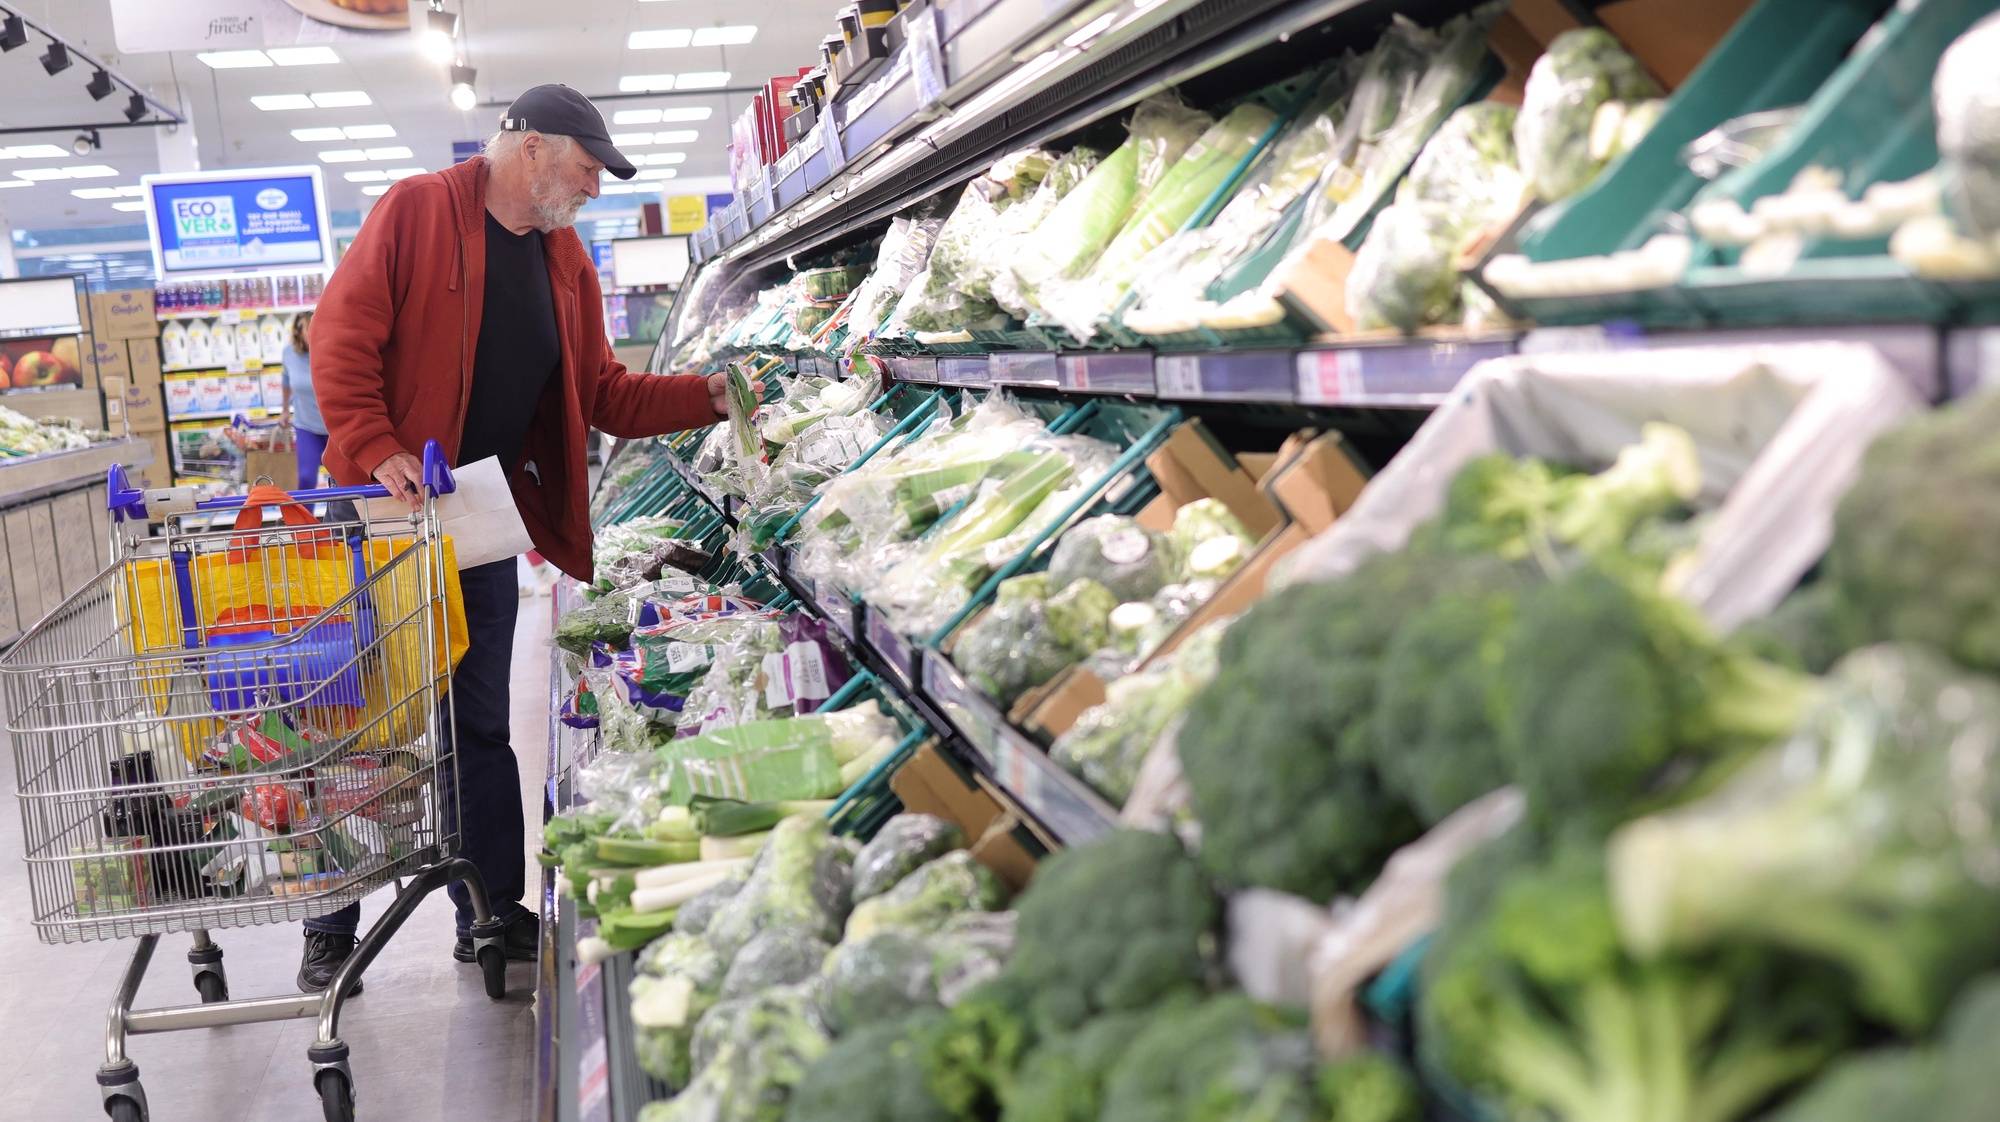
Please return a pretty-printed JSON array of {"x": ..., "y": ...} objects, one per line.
[{"x": 240, "y": 221}]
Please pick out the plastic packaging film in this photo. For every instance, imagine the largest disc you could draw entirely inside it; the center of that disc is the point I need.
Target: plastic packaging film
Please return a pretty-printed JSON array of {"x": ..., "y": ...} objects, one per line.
[
  {"x": 1966, "y": 95},
  {"x": 1581, "y": 70}
]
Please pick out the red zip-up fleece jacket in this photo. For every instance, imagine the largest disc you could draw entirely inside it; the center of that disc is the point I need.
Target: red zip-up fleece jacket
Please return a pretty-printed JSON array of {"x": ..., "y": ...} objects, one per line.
[{"x": 392, "y": 346}]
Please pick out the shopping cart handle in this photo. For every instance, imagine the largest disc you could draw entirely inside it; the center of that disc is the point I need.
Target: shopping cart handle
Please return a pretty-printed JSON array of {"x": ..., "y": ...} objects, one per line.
[{"x": 127, "y": 502}]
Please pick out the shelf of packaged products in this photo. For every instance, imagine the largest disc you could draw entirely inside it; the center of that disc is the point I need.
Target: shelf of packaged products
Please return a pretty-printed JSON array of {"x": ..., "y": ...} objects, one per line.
[
  {"x": 256, "y": 413},
  {"x": 224, "y": 368},
  {"x": 239, "y": 313}
]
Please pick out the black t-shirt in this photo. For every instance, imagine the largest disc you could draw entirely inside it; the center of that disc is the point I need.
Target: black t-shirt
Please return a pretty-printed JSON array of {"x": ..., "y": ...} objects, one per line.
[{"x": 518, "y": 347}]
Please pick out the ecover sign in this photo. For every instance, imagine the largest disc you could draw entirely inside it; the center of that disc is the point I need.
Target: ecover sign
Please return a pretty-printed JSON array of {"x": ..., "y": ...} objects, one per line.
[{"x": 237, "y": 221}]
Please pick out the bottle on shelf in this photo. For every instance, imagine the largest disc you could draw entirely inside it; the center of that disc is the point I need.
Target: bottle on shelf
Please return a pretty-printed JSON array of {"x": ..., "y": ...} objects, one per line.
[
  {"x": 174, "y": 344},
  {"x": 272, "y": 331},
  {"x": 249, "y": 341},
  {"x": 200, "y": 344},
  {"x": 222, "y": 344}
]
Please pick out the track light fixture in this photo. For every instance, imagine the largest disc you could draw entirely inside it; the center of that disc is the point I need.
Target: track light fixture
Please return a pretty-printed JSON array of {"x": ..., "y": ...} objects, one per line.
[
  {"x": 86, "y": 142},
  {"x": 463, "y": 97},
  {"x": 100, "y": 85},
  {"x": 13, "y": 33},
  {"x": 135, "y": 108},
  {"x": 55, "y": 60},
  {"x": 440, "y": 35}
]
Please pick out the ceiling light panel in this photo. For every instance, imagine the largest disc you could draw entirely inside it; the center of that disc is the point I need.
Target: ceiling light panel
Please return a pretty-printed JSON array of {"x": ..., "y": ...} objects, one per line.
[
  {"x": 370, "y": 176},
  {"x": 733, "y": 35},
  {"x": 393, "y": 153},
  {"x": 128, "y": 206},
  {"x": 34, "y": 152},
  {"x": 702, "y": 80},
  {"x": 659, "y": 38},
  {"x": 636, "y": 117},
  {"x": 645, "y": 83},
  {"x": 376, "y": 189},
  {"x": 687, "y": 113},
  {"x": 343, "y": 156},
  {"x": 342, "y": 99},
  {"x": 660, "y": 158},
  {"x": 319, "y": 135},
  {"x": 95, "y": 192},
  {"x": 132, "y": 191},
  {"x": 676, "y": 136},
  {"x": 92, "y": 171},
  {"x": 234, "y": 60},
  {"x": 271, "y": 103},
  {"x": 630, "y": 139},
  {"x": 658, "y": 173},
  {"x": 38, "y": 174},
  {"x": 302, "y": 56},
  {"x": 369, "y": 132},
  {"x": 6, "y": 183}
]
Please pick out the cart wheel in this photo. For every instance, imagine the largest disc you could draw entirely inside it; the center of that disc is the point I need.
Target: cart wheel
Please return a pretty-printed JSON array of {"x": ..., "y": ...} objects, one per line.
[
  {"x": 122, "y": 1109},
  {"x": 493, "y": 965},
  {"x": 212, "y": 987},
  {"x": 336, "y": 1096}
]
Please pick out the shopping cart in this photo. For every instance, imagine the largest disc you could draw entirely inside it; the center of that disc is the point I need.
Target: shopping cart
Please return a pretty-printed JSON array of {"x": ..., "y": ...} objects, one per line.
[{"x": 239, "y": 721}]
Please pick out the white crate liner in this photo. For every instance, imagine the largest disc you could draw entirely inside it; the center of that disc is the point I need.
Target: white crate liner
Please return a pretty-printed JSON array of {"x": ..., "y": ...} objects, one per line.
[{"x": 1781, "y": 428}]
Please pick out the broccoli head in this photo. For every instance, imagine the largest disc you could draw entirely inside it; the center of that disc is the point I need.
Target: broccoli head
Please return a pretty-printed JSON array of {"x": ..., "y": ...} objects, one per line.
[
  {"x": 899, "y": 848},
  {"x": 1526, "y": 1000},
  {"x": 1225, "y": 1059},
  {"x": 1838, "y": 845},
  {"x": 1369, "y": 1087},
  {"x": 803, "y": 878},
  {"x": 1062, "y": 1080},
  {"x": 970, "y": 1056},
  {"x": 1117, "y": 923},
  {"x": 775, "y": 956},
  {"x": 1435, "y": 745},
  {"x": 1950, "y": 1080},
  {"x": 873, "y": 1074},
  {"x": 1278, "y": 750},
  {"x": 1609, "y": 696},
  {"x": 1912, "y": 555},
  {"x": 1011, "y": 649}
]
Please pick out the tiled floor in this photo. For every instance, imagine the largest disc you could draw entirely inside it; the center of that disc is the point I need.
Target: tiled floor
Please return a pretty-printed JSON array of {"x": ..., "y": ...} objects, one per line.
[{"x": 428, "y": 1045}]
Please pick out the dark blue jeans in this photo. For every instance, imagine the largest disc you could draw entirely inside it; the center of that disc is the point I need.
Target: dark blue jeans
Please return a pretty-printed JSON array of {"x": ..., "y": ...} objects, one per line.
[{"x": 487, "y": 812}]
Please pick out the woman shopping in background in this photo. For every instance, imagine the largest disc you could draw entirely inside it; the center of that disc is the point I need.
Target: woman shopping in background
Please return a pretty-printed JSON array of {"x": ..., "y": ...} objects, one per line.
[{"x": 308, "y": 429}]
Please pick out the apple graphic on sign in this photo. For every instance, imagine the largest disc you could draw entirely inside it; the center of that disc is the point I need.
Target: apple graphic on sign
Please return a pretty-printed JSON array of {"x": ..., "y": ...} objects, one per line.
[
  {"x": 6, "y": 369},
  {"x": 39, "y": 368}
]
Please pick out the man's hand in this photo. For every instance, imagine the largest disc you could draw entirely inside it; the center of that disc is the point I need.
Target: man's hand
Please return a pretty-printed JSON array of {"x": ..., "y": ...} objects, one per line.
[
  {"x": 403, "y": 475},
  {"x": 718, "y": 393}
]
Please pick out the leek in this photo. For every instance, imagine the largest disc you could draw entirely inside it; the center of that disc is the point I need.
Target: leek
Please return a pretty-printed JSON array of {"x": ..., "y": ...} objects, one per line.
[
  {"x": 724, "y": 818},
  {"x": 645, "y": 851},
  {"x": 723, "y": 849},
  {"x": 663, "y": 875},
  {"x": 674, "y": 895}
]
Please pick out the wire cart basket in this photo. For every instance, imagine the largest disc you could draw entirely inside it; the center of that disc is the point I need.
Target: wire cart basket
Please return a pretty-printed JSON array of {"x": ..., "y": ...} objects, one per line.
[{"x": 244, "y": 719}]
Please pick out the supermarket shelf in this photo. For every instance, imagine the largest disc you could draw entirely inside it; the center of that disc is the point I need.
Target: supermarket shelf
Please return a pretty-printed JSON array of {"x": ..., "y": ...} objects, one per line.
[
  {"x": 1005, "y": 73},
  {"x": 255, "y": 413},
  {"x": 216, "y": 313},
  {"x": 224, "y": 368},
  {"x": 1062, "y": 805},
  {"x": 33, "y": 476},
  {"x": 1387, "y": 374}
]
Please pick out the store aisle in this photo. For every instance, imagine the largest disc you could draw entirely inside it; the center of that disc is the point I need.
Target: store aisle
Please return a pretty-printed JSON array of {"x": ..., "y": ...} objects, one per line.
[{"x": 427, "y": 1043}]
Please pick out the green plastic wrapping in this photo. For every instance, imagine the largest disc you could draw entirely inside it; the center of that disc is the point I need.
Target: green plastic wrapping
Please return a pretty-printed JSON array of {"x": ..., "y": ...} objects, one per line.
[{"x": 1581, "y": 70}]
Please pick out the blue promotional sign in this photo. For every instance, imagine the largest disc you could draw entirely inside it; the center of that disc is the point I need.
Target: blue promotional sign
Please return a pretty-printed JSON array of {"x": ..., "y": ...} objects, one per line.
[
  {"x": 237, "y": 221},
  {"x": 463, "y": 150}
]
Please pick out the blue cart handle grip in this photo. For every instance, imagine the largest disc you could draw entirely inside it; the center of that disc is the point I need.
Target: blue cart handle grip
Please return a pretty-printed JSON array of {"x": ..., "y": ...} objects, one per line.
[{"x": 128, "y": 502}]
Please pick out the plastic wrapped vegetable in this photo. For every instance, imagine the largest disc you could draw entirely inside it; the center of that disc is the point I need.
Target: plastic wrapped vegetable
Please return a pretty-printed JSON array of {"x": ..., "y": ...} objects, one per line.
[
  {"x": 756, "y": 1050},
  {"x": 1109, "y": 741},
  {"x": 1966, "y": 96},
  {"x": 903, "y": 844},
  {"x": 1196, "y": 525},
  {"x": 940, "y": 299},
  {"x": 876, "y": 979},
  {"x": 776, "y": 956},
  {"x": 693, "y": 917},
  {"x": 1076, "y": 231},
  {"x": 1403, "y": 276},
  {"x": 1470, "y": 162},
  {"x": 970, "y": 949},
  {"x": 1079, "y": 616},
  {"x": 1011, "y": 649},
  {"x": 677, "y": 983},
  {"x": 901, "y": 257},
  {"x": 1581, "y": 70},
  {"x": 1016, "y": 225},
  {"x": 922, "y": 902},
  {"x": 1114, "y": 550},
  {"x": 802, "y": 878}
]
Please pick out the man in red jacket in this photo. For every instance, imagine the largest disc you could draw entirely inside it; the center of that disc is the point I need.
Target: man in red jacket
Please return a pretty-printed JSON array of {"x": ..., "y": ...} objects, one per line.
[{"x": 467, "y": 312}]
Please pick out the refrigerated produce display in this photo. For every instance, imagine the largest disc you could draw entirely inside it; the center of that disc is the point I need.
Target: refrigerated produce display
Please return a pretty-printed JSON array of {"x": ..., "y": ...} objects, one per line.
[{"x": 1371, "y": 562}]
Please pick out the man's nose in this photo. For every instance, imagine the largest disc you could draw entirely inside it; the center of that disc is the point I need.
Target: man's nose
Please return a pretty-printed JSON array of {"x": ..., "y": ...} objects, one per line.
[{"x": 594, "y": 186}]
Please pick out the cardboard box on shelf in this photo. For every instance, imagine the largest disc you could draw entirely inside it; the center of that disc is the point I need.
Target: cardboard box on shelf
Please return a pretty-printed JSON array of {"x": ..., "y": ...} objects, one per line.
[
  {"x": 145, "y": 408},
  {"x": 78, "y": 552},
  {"x": 931, "y": 784},
  {"x": 158, "y": 473},
  {"x": 124, "y": 314},
  {"x": 108, "y": 356},
  {"x": 142, "y": 358}
]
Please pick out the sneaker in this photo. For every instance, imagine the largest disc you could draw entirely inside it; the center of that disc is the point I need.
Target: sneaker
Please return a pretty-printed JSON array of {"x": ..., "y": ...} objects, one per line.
[
  {"x": 521, "y": 938},
  {"x": 323, "y": 956}
]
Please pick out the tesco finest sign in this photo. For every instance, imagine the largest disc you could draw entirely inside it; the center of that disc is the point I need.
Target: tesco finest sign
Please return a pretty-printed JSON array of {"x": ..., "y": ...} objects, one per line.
[{"x": 270, "y": 219}]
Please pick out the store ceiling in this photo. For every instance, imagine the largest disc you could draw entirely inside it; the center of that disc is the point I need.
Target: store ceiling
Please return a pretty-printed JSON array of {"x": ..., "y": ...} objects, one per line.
[{"x": 512, "y": 44}]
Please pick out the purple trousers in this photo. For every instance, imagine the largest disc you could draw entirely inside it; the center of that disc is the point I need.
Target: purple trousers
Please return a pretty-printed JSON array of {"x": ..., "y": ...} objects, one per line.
[{"x": 311, "y": 448}]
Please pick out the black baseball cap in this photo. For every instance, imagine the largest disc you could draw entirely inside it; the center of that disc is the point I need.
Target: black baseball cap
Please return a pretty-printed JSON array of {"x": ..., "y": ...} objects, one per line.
[{"x": 555, "y": 108}]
